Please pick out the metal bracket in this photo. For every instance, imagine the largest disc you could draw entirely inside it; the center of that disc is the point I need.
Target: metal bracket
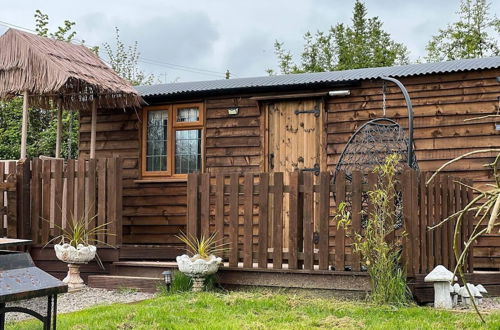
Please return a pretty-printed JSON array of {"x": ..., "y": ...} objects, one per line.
[
  {"x": 314, "y": 169},
  {"x": 315, "y": 237},
  {"x": 315, "y": 111}
]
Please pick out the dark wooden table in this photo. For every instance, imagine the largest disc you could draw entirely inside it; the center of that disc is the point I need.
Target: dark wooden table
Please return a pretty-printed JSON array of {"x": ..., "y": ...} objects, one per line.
[
  {"x": 12, "y": 242},
  {"x": 20, "y": 279}
]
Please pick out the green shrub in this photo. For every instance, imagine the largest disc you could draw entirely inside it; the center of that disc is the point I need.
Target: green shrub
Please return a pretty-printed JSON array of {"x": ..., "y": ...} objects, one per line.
[{"x": 380, "y": 255}]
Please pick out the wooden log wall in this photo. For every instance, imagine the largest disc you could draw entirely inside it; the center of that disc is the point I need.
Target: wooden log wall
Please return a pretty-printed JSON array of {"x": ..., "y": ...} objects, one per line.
[
  {"x": 441, "y": 103},
  {"x": 154, "y": 212},
  {"x": 233, "y": 143}
]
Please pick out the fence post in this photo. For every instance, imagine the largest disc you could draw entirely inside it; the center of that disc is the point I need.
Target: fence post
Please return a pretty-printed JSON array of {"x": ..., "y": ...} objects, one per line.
[
  {"x": 11, "y": 202},
  {"x": 293, "y": 219},
  {"x": 324, "y": 220},
  {"x": 23, "y": 198},
  {"x": 192, "y": 211},
  {"x": 340, "y": 232},
  {"x": 119, "y": 200},
  {"x": 357, "y": 188},
  {"x": 233, "y": 219}
]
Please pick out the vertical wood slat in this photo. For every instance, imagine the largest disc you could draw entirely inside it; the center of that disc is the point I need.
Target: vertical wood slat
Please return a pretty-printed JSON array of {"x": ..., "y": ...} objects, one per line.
[
  {"x": 293, "y": 200},
  {"x": 58, "y": 195},
  {"x": 3, "y": 232},
  {"x": 36, "y": 200},
  {"x": 46, "y": 192},
  {"x": 456, "y": 188},
  {"x": 465, "y": 224},
  {"x": 445, "y": 212},
  {"x": 438, "y": 216},
  {"x": 111, "y": 207},
  {"x": 340, "y": 232},
  {"x": 308, "y": 220},
  {"x": 70, "y": 192},
  {"x": 278, "y": 221},
  {"x": 11, "y": 202},
  {"x": 430, "y": 220},
  {"x": 80, "y": 189},
  {"x": 23, "y": 175},
  {"x": 119, "y": 200},
  {"x": 219, "y": 207},
  {"x": 91, "y": 193},
  {"x": 356, "y": 213},
  {"x": 324, "y": 220},
  {"x": 423, "y": 224},
  {"x": 101, "y": 196},
  {"x": 192, "y": 209},
  {"x": 233, "y": 219},
  {"x": 470, "y": 218},
  {"x": 407, "y": 253},
  {"x": 205, "y": 204},
  {"x": 248, "y": 221},
  {"x": 263, "y": 219},
  {"x": 451, "y": 224},
  {"x": 415, "y": 222}
]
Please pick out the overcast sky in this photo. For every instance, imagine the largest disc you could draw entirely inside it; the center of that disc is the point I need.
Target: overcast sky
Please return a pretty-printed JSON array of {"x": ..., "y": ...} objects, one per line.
[{"x": 215, "y": 35}]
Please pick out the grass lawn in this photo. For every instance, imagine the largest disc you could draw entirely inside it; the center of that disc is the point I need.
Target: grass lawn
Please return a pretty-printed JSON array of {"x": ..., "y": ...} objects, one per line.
[{"x": 261, "y": 309}]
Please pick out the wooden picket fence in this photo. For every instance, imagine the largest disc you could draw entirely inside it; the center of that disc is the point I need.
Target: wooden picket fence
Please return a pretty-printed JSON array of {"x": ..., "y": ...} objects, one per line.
[
  {"x": 50, "y": 193},
  {"x": 8, "y": 200},
  {"x": 286, "y": 220}
]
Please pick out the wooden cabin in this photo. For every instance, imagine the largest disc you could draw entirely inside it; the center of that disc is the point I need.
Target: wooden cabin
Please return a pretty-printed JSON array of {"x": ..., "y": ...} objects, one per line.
[{"x": 287, "y": 123}]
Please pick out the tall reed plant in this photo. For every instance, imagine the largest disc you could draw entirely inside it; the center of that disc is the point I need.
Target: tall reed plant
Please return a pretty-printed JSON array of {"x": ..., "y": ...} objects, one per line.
[{"x": 380, "y": 251}]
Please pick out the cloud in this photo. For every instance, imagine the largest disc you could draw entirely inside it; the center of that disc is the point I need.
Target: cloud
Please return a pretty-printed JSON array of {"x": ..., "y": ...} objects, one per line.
[{"x": 182, "y": 38}]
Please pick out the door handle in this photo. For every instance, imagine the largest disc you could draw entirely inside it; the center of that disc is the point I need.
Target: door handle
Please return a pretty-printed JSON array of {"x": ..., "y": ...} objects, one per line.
[{"x": 271, "y": 160}]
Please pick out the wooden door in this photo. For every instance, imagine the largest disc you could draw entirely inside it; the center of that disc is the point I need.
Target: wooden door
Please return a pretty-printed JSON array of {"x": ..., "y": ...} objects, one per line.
[
  {"x": 295, "y": 143},
  {"x": 295, "y": 136}
]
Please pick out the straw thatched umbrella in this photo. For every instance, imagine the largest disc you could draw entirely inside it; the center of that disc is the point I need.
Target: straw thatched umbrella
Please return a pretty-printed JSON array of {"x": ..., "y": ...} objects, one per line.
[{"x": 51, "y": 73}]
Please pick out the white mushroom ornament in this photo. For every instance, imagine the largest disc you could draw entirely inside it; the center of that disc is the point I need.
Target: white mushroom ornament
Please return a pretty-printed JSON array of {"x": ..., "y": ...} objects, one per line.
[
  {"x": 467, "y": 295},
  {"x": 481, "y": 290},
  {"x": 441, "y": 277},
  {"x": 454, "y": 294}
]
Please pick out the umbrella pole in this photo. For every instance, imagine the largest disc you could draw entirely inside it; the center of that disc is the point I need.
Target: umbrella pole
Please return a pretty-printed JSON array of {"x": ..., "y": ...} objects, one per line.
[
  {"x": 93, "y": 128},
  {"x": 59, "y": 128},
  {"x": 24, "y": 127}
]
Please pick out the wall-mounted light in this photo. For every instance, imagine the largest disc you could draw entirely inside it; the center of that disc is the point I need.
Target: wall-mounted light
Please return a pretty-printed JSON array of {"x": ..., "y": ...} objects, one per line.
[
  {"x": 233, "y": 111},
  {"x": 339, "y": 93}
]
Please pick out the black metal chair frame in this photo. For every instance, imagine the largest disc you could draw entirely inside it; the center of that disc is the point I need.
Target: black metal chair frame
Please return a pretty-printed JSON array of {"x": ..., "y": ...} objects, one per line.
[{"x": 49, "y": 320}]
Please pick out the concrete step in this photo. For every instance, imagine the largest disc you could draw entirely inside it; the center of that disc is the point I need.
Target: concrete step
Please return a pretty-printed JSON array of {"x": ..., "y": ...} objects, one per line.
[
  {"x": 142, "y": 268},
  {"x": 146, "y": 284}
]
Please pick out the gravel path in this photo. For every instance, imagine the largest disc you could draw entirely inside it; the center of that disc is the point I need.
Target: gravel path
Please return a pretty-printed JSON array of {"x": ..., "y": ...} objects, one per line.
[{"x": 74, "y": 301}]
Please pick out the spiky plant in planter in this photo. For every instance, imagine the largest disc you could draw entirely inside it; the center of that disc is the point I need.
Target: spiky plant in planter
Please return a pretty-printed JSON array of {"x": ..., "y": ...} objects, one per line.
[
  {"x": 77, "y": 245},
  {"x": 201, "y": 259}
]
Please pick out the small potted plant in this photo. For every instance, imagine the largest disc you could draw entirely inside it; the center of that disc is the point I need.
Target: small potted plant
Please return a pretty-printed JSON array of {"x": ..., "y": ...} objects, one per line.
[
  {"x": 77, "y": 245},
  {"x": 201, "y": 259}
]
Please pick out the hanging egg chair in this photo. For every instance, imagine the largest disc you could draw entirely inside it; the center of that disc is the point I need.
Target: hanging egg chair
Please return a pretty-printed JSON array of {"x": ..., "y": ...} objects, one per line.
[{"x": 370, "y": 145}]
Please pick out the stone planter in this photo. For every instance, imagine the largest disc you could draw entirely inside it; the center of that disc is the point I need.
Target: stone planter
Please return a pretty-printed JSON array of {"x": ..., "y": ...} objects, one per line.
[
  {"x": 74, "y": 257},
  {"x": 198, "y": 268}
]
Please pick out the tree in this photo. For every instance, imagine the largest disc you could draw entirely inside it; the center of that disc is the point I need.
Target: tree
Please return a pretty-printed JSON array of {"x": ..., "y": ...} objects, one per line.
[
  {"x": 124, "y": 60},
  {"x": 360, "y": 45},
  {"x": 475, "y": 34}
]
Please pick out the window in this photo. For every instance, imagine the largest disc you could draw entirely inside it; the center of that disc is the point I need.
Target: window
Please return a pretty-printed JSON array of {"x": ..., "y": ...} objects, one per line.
[{"x": 172, "y": 140}]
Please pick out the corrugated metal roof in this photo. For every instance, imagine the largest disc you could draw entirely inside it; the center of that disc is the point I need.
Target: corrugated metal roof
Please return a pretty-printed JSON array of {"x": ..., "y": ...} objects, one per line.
[{"x": 320, "y": 77}]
